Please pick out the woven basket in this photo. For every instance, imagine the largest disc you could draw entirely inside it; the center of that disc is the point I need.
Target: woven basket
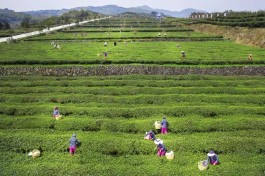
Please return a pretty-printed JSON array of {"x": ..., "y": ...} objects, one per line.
[
  {"x": 35, "y": 153},
  {"x": 170, "y": 155},
  {"x": 201, "y": 166},
  {"x": 58, "y": 117},
  {"x": 157, "y": 125}
]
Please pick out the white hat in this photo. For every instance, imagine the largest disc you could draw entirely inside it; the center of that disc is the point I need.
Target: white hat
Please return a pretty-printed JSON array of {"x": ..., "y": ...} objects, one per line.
[
  {"x": 211, "y": 153},
  {"x": 158, "y": 141}
]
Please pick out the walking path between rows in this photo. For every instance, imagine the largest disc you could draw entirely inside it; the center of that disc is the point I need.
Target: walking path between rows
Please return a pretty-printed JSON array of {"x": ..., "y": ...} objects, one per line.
[{"x": 5, "y": 39}]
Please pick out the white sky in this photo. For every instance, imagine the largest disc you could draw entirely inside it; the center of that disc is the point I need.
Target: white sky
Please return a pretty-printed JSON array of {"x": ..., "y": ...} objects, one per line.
[{"x": 173, "y": 5}]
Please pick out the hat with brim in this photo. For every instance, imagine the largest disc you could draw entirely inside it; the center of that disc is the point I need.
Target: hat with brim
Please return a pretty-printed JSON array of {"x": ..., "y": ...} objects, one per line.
[
  {"x": 211, "y": 153},
  {"x": 158, "y": 141}
]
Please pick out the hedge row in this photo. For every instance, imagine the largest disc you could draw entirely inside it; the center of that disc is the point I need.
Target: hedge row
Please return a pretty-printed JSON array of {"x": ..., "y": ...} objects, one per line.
[
  {"x": 163, "y": 99},
  {"x": 140, "y": 82},
  {"x": 185, "y": 125},
  {"x": 128, "y": 144},
  {"x": 129, "y": 30},
  {"x": 108, "y": 62},
  {"x": 130, "y": 90},
  {"x": 136, "y": 111}
]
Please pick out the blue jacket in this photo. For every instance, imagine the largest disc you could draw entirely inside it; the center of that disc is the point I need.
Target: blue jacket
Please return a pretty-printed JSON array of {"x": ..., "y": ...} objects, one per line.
[
  {"x": 152, "y": 134},
  {"x": 73, "y": 142},
  {"x": 213, "y": 158},
  {"x": 164, "y": 123},
  {"x": 56, "y": 112},
  {"x": 162, "y": 146}
]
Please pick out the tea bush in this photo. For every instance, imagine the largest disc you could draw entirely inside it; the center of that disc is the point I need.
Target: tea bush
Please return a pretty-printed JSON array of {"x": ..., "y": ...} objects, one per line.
[{"x": 110, "y": 114}]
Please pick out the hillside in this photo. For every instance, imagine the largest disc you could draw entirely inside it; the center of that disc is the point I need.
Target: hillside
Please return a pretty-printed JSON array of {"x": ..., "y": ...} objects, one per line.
[
  {"x": 242, "y": 35},
  {"x": 11, "y": 16},
  {"x": 112, "y": 79},
  {"x": 183, "y": 13}
]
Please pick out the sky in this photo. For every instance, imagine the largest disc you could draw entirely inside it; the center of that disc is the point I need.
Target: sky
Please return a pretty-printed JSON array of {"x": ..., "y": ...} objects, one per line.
[{"x": 173, "y": 5}]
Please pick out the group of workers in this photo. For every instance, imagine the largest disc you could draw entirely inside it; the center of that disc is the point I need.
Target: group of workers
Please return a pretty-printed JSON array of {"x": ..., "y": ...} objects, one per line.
[
  {"x": 162, "y": 128},
  {"x": 55, "y": 45}
]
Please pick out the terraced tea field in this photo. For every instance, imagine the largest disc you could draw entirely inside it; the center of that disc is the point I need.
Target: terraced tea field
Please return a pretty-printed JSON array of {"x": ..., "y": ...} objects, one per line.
[
  {"x": 110, "y": 114},
  {"x": 166, "y": 52}
]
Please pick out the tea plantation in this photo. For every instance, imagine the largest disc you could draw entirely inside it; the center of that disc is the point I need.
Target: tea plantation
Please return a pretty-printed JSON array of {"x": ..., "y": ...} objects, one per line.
[{"x": 110, "y": 114}]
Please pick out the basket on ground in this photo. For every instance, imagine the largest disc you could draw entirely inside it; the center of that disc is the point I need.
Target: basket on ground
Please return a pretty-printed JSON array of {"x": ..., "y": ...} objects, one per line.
[
  {"x": 157, "y": 125},
  {"x": 203, "y": 165},
  {"x": 34, "y": 153},
  {"x": 58, "y": 117},
  {"x": 170, "y": 155}
]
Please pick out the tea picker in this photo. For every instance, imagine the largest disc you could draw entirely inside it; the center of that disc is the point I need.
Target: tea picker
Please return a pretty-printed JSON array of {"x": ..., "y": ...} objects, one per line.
[
  {"x": 150, "y": 135},
  {"x": 73, "y": 142},
  {"x": 161, "y": 149},
  {"x": 164, "y": 126},
  {"x": 183, "y": 54},
  {"x": 213, "y": 158},
  {"x": 56, "y": 113},
  {"x": 250, "y": 57}
]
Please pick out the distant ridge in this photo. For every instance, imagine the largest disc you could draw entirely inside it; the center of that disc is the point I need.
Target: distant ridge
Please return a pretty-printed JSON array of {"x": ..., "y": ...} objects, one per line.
[
  {"x": 181, "y": 14},
  {"x": 115, "y": 10}
]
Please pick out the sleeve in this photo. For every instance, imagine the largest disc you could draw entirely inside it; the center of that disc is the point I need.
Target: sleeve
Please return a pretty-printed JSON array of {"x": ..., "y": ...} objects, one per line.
[
  {"x": 217, "y": 158},
  {"x": 163, "y": 121}
]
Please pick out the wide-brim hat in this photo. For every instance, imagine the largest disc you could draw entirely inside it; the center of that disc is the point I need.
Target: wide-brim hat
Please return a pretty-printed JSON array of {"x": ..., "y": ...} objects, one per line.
[
  {"x": 211, "y": 153},
  {"x": 158, "y": 141}
]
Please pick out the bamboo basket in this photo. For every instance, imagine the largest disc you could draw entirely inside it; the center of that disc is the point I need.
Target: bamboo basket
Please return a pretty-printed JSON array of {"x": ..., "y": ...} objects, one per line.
[
  {"x": 58, "y": 117},
  {"x": 202, "y": 166},
  {"x": 157, "y": 125},
  {"x": 170, "y": 155},
  {"x": 34, "y": 153}
]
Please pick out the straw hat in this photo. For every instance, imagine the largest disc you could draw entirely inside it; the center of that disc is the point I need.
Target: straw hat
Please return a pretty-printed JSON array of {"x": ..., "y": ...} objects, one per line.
[
  {"x": 211, "y": 153},
  {"x": 158, "y": 141}
]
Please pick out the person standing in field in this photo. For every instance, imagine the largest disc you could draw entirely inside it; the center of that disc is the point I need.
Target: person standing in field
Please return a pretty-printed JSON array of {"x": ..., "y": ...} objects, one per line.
[
  {"x": 105, "y": 54},
  {"x": 164, "y": 126},
  {"x": 73, "y": 144}
]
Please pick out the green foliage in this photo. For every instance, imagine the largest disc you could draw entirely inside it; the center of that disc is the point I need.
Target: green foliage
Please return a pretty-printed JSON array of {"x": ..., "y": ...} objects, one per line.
[
  {"x": 73, "y": 16},
  {"x": 236, "y": 19},
  {"x": 214, "y": 52},
  {"x": 8, "y": 17},
  {"x": 110, "y": 114}
]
